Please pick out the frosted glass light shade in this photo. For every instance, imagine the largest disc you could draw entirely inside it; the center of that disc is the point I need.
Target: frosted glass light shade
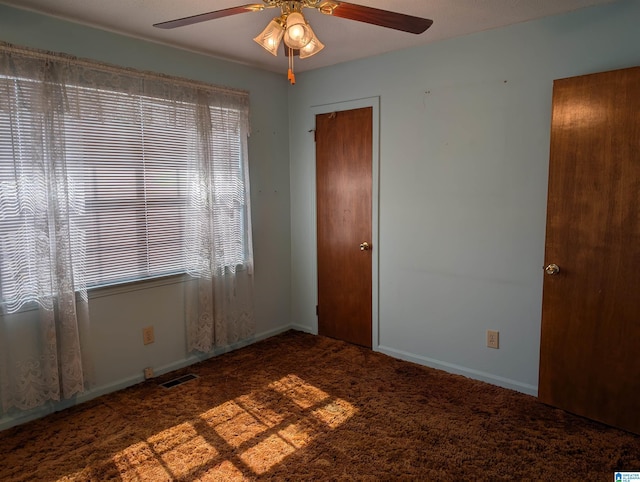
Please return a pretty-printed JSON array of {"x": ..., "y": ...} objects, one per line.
[
  {"x": 271, "y": 36},
  {"x": 297, "y": 34},
  {"x": 313, "y": 47}
]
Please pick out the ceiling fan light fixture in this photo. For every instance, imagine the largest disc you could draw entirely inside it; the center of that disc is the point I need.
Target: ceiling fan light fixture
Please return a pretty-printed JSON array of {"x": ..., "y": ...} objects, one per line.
[
  {"x": 270, "y": 38},
  {"x": 313, "y": 47},
  {"x": 292, "y": 27},
  {"x": 297, "y": 33}
]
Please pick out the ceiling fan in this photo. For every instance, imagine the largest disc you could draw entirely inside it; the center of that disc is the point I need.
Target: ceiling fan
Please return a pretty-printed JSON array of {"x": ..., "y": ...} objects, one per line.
[{"x": 293, "y": 28}]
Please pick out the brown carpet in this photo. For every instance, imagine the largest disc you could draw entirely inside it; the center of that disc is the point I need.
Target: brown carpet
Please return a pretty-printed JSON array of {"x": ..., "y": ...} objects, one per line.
[{"x": 302, "y": 407}]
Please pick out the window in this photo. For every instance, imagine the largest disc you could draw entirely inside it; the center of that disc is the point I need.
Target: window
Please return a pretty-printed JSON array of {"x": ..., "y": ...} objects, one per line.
[
  {"x": 140, "y": 164},
  {"x": 132, "y": 160}
]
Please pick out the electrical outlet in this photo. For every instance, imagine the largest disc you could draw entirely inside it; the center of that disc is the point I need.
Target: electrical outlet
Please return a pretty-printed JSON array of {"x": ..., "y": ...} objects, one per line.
[
  {"x": 493, "y": 339},
  {"x": 147, "y": 335},
  {"x": 148, "y": 373}
]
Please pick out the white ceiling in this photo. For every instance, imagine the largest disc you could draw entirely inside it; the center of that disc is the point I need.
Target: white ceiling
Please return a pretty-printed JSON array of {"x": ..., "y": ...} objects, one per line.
[{"x": 345, "y": 40}]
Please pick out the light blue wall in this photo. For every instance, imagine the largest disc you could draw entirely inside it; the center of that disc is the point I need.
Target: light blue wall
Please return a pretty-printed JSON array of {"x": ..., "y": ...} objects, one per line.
[
  {"x": 464, "y": 147},
  {"x": 117, "y": 316}
]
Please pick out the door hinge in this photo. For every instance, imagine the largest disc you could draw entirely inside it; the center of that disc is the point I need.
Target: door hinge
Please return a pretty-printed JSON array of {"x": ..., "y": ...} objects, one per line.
[{"x": 317, "y": 311}]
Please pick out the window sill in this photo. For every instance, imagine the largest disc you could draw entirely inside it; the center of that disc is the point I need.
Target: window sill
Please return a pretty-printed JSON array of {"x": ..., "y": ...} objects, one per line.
[
  {"x": 124, "y": 287},
  {"x": 137, "y": 285}
]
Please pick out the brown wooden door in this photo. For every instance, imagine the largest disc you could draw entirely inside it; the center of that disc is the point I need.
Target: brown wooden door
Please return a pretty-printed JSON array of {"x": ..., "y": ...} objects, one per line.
[
  {"x": 590, "y": 345},
  {"x": 343, "y": 188}
]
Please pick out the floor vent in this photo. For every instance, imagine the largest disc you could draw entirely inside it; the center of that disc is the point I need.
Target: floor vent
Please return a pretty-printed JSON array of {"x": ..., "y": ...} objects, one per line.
[{"x": 178, "y": 381}]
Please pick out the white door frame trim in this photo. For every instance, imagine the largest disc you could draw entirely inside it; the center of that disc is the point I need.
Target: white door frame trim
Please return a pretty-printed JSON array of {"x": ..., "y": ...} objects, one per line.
[{"x": 374, "y": 103}]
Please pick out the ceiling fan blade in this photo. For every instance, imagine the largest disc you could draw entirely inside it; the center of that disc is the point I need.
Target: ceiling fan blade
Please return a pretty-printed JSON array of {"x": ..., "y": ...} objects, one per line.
[
  {"x": 203, "y": 17},
  {"x": 376, "y": 16}
]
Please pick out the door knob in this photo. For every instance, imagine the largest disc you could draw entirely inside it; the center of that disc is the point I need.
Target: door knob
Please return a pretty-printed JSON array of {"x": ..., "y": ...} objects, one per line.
[
  {"x": 552, "y": 269},
  {"x": 365, "y": 246}
]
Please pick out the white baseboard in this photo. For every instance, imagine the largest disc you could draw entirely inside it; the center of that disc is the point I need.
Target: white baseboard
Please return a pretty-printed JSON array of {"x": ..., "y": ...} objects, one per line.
[
  {"x": 304, "y": 329},
  {"x": 460, "y": 370},
  {"x": 19, "y": 418}
]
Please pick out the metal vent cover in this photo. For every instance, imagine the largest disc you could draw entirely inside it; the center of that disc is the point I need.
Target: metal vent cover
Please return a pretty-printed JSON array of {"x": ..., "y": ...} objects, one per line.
[{"x": 178, "y": 381}]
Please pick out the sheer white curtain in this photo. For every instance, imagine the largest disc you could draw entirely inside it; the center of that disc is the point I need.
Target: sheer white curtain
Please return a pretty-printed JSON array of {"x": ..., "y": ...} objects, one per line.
[
  {"x": 219, "y": 297},
  {"x": 44, "y": 204},
  {"x": 40, "y": 359}
]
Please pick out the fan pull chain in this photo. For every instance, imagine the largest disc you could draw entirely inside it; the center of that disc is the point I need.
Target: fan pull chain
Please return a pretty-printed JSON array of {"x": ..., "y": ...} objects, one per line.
[{"x": 290, "y": 75}]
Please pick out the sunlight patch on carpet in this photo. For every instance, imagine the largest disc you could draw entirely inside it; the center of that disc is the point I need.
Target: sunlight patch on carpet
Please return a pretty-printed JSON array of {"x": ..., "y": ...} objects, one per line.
[
  {"x": 182, "y": 449},
  {"x": 138, "y": 462},
  {"x": 300, "y": 392},
  {"x": 224, "y": 471},
  {"x": 226, "y": 418},
  {"x": 317, "y": 407},
  {"x": 262, "y": 427},
  {"x": 175, "y": 452},
  {"x": 335, "y": 413},
  {"x": 266, "y": 454}
]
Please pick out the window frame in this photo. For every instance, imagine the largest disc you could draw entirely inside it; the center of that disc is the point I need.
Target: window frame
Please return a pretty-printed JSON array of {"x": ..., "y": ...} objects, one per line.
[{"x": 160, "y": 82}]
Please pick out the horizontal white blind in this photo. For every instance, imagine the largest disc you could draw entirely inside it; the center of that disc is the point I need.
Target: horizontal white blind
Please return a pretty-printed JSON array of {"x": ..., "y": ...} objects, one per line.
[
  {"x": 128, "y": 159},
  {"x": 130, "y": 154},
  {"x": 132, "y": 157}
]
